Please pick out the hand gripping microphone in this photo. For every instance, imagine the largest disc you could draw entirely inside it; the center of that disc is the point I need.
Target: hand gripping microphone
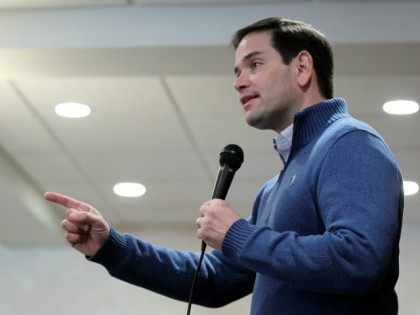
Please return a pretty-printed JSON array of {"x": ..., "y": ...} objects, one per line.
[{"x": 230, "y": 160}]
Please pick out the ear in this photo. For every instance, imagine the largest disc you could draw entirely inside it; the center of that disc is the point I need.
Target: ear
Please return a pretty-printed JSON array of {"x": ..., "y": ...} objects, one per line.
[{"x": 305, "y": 70}]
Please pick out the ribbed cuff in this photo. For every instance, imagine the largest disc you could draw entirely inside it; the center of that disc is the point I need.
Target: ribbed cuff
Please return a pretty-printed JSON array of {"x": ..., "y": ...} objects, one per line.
[
  {"x": 236, "y": 238},
  {"x": 112, "y": 251}
]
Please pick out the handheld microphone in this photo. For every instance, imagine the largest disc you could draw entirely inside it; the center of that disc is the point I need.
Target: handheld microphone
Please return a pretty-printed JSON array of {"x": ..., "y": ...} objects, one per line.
[{"x": 230, "y": 160}]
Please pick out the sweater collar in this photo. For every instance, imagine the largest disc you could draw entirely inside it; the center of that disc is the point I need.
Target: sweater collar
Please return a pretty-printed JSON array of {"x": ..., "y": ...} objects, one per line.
[{"x": 314, "y": 119}]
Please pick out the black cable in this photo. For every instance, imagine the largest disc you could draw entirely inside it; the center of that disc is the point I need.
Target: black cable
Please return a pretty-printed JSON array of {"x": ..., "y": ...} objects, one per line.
[{"x": 203, "y": 249}]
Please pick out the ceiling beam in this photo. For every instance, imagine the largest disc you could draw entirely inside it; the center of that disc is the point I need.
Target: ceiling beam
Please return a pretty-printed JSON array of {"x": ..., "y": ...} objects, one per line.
[{"x": 349, "y": 59}]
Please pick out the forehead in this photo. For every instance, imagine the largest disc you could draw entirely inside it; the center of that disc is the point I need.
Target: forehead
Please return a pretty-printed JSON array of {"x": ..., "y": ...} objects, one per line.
[{"x": 253, "y": 42}]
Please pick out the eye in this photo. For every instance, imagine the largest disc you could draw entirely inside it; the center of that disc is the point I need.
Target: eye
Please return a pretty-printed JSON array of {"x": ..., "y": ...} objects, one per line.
[{"x": 255, "y": 64}]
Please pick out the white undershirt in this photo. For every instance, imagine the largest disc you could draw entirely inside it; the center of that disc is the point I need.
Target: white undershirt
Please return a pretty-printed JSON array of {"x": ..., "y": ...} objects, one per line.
[{"x": 283, "y": 143}]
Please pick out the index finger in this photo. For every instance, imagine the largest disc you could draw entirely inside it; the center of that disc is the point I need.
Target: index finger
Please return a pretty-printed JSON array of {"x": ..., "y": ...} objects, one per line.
[{"x": 67, "y": 201}]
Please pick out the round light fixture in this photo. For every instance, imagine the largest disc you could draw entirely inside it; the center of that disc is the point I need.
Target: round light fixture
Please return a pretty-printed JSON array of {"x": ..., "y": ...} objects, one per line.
[
  {"x": 72, "y": 110},
  {"x": 401, "y": 107},
  {"x": 129, "y": 189},
  {"x": 410, "y": 188}
]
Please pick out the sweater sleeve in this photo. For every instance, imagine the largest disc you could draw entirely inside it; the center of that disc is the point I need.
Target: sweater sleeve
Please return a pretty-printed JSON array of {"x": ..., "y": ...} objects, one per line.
[
  {"x": 358, "y": 192},
  {"x": 170, "y": 272}
]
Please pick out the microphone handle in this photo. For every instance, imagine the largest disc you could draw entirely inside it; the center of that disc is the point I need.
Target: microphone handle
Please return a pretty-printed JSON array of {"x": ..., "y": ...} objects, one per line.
[
  {"x": 221, "y": 188},
  {"x": 223, "y": 181}
]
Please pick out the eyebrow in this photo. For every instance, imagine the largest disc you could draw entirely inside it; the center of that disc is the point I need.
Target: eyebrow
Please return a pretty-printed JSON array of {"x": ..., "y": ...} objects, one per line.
[{"x": 247, "y": 57}]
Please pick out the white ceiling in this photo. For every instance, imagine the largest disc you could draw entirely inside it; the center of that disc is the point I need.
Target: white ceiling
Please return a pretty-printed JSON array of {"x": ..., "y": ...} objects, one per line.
[
  {"x": 159, "y": 81},
  {"x": 34, "y": 4}
]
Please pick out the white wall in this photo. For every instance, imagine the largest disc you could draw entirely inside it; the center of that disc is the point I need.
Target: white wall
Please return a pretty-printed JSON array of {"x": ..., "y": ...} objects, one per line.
[{"x": 60, "y": 281}]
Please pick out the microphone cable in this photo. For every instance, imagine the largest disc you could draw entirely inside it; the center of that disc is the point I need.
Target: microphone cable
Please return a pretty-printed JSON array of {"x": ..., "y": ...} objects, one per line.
[{"x": 197, "y": 270}]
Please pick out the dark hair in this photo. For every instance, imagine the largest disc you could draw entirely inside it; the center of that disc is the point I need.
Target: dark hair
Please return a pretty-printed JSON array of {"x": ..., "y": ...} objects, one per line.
[{"x": 289, "y": 38}]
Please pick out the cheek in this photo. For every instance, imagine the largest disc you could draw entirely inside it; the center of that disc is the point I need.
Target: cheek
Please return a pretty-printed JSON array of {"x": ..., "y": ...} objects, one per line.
[
  {"x": 274, "y": 88},
  {"x": 274, "y": 79}
]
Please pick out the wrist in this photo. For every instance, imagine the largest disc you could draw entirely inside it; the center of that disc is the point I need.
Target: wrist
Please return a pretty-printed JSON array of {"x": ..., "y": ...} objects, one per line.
[
  {"x": 236, "y": 238},
  {"x": 111, "y": 251}
]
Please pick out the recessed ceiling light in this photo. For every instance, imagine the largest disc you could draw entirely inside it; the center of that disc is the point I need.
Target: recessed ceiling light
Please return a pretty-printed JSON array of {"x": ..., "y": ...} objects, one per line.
[
  {"x": 129, "y": 189},
  {"x": 401, "y": 107},
  {"x": 410, "y": 188},
  {"x": 72, "y": 110}
]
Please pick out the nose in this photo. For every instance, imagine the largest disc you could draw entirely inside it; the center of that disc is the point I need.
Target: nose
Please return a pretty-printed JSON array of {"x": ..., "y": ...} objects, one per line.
[{"x": 241, "y": 82}]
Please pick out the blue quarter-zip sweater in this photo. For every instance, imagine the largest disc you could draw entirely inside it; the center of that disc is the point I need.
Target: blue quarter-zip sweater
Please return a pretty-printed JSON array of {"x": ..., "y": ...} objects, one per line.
[{"x": 322, "y": 239}]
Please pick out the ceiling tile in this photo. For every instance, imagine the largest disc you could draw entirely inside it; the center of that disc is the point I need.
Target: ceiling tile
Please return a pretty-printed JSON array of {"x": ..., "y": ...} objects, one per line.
[
  {"x": 20, "y": 130},
  {"x": 126, "y": 113}
]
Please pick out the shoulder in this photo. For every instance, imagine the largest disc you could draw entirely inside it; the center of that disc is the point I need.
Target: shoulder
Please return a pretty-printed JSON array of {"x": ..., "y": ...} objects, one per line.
[
  {"x": 347, "y": 125},
  {"x": 350, "y": 131},
  {"x": 348, "y": 144},
  {"x": 355, "y": 142}
]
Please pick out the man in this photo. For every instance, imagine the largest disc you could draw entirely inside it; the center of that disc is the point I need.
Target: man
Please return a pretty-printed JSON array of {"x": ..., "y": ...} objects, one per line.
[{"x": 323, "y": 235}]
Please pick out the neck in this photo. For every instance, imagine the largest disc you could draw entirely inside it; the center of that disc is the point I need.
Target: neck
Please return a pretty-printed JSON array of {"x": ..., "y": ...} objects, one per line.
[{"x": 312, "y": 100}]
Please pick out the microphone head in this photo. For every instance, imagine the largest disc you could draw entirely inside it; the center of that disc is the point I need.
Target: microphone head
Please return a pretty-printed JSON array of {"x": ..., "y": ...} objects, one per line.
[{"x": 232, "y": 155}]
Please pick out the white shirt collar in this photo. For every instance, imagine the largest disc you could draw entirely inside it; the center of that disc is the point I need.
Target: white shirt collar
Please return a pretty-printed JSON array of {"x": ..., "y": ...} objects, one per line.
[{"x": 283, "y": 143}]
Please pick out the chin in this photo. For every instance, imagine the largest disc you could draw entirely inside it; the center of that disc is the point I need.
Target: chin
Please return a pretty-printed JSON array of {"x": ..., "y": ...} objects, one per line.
[
  {"x": 262, "y": 120},
  {"x": 256, "y": 122}
]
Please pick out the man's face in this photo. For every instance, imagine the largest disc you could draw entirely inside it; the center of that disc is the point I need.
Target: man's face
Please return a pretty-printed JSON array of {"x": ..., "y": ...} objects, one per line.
[{"x": 264, "y": 83}]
